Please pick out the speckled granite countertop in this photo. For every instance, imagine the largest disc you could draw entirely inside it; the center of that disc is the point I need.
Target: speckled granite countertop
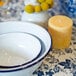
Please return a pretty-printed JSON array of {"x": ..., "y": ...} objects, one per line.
[{"x": 58, "y": 62}]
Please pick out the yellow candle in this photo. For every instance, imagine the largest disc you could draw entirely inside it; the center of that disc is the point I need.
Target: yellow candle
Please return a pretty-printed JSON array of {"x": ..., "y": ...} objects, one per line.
[{"x": 60, "y": 28}]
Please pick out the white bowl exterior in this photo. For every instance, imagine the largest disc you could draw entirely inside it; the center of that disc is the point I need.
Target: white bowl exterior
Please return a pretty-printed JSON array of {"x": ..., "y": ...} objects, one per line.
[{"x": 25, "y": 72}]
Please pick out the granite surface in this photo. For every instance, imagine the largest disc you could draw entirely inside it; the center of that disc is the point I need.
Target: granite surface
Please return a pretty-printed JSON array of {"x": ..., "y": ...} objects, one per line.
[{"x": 58, "y": 62}]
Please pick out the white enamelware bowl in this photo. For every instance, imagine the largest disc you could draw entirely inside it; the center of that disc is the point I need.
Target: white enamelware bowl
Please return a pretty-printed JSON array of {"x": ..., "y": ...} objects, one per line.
[
  {"x": 18, "y": 49},
  {"x": 35, "y": 30}
]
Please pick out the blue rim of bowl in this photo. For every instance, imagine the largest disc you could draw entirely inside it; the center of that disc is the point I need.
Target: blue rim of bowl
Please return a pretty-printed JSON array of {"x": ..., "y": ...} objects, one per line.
[
  {"x": 28, "y": 66},
  {"x": 28, "y": 61}
]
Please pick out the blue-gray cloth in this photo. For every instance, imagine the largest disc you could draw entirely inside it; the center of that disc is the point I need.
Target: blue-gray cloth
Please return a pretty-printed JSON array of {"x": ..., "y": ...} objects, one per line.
[{"x": 64, "y": 7}]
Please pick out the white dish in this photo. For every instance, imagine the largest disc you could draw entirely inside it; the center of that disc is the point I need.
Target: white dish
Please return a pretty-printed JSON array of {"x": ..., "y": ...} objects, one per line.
[
  {"x": 36, "y": 30},
  {"x": 18, "y": 48}
]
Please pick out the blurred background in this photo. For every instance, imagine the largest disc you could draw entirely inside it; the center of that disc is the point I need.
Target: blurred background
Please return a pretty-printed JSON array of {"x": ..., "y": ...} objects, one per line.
[{"x": 12, "y": 9}]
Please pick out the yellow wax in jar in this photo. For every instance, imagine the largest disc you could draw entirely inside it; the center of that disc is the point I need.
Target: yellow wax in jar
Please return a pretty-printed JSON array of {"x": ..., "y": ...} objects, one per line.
[{"x": 60, "y": 28}]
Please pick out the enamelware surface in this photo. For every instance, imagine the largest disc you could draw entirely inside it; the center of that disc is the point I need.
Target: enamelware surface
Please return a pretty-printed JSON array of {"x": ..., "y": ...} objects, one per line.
[
  {"x": 21, "y": 46},
  {"x": 35, "y": 30}
]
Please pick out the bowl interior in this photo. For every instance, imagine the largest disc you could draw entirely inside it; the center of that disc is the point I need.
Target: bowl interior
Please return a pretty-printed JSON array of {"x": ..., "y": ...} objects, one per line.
[
  {"x": 33, "y": 29},
  {"x": 18, "y": 48}
]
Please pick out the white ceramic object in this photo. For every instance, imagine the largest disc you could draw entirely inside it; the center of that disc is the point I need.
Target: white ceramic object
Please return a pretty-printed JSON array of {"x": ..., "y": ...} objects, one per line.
[
  {"x": 41, "y": 33},
  {"x": 18, "y": 48},
  {"x": 40, "y": 18}
]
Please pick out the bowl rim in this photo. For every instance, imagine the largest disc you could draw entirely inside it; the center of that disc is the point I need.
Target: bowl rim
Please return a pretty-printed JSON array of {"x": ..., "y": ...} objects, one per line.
[
  {"x": 14, "y": 66},
  {"x": 22, "y": 67}
]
